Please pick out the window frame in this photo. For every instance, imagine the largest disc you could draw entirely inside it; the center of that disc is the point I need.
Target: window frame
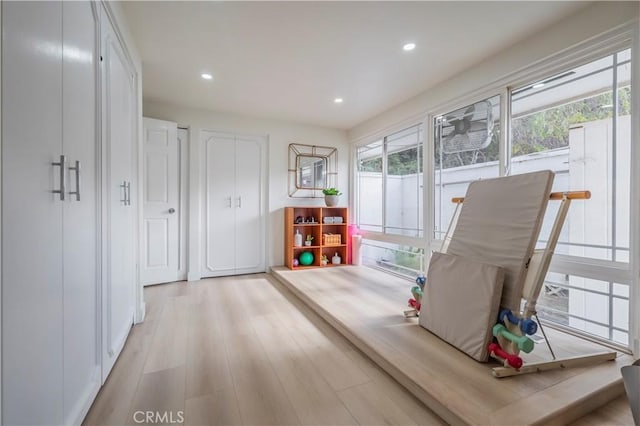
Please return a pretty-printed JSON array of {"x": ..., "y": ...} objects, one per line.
[
  {"x": 620, "y": 272},
  {"x": 383, "y": 237},
  {"x": 417, "y": 242}
]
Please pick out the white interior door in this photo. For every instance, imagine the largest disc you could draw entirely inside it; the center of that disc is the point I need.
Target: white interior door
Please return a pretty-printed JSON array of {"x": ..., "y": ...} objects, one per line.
[
  {"x": 161, "y": 209},
  {"x": 219, "y": 205},
  {"x": 118, "y": 298},
  {"x": 80, "y": 241},
  {"x": 32, "y": 332},
  {"x": 249, "y": 210}
]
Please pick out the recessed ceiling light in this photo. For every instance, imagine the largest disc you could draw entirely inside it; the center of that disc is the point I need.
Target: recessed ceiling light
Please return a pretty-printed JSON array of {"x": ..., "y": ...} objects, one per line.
[
  {"x": 206, "y": 76},
  {"x": 338, "y": 100},
  {"x": 409, "y": 46},
  {"x": 538, "y": 85}
]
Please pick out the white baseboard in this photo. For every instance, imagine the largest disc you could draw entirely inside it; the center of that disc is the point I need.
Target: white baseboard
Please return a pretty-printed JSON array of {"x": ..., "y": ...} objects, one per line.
[
  {"x": 77, "y": 415},
  {"x": 141, "y": 313}
]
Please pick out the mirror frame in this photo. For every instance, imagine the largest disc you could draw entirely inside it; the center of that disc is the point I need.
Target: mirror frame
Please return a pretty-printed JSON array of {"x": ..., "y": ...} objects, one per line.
[{"x": 330, "y": 157}]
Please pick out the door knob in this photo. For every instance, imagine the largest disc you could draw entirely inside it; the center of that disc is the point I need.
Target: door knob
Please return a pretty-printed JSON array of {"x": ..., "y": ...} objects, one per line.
[{"x": 172, "y": 210}]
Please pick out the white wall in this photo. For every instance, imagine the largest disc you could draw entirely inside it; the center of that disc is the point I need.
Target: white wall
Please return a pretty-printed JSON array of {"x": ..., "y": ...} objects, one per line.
[
  {"x": 280, "y": 135},
  {"x": 588, "y": 23}
]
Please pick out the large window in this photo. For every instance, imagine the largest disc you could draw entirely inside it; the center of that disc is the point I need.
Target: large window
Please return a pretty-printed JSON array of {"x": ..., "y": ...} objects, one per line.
[
  {"x": 389, "y": 178},
  {"x": 389, "y": 200},
  {"x": 578, "y": 124}
]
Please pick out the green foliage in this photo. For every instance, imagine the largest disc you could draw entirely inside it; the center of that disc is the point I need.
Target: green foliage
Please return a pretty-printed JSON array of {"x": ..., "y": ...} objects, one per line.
[
  {"x": 549, "y": 129},
  {"x": 371, "y": 165},
  {"x": 331, "y": 191},
  {"x": 405, "y": 162}
]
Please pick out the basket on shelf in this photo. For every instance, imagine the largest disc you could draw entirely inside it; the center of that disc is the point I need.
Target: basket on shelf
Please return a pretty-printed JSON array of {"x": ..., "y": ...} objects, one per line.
[{"x": 331, "y": 239}]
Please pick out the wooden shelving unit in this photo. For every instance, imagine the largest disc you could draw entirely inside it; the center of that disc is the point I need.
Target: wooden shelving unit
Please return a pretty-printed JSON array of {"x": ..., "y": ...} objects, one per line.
[{"x": 311, "y": 221}]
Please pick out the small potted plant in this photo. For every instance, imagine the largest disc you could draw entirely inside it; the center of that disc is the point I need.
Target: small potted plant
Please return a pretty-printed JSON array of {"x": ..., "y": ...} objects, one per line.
[
  {"x": 331, "y": 196},
  {"x": 309, "y": 240},
  {"x": 325, "y": 260}
]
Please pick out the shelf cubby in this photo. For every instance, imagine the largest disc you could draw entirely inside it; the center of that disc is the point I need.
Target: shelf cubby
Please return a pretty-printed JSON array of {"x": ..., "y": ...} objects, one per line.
[{"x": 311, "y": 221}]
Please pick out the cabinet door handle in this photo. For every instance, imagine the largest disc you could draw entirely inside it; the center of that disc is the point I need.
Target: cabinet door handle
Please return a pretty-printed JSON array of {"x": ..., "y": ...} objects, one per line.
[
  {"x": 239, "y": 205},
  {"x": 77, "y": 191},
  {"x": 63, "y": 177},
  {"x": 229, "y": 201},
  {"x": 128, "y": 193},
  {"x": 123, "y": 185}
]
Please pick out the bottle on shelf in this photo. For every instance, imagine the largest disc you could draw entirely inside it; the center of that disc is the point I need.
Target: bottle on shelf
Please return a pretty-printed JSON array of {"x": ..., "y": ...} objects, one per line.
[{"x": 297, "y": 239}]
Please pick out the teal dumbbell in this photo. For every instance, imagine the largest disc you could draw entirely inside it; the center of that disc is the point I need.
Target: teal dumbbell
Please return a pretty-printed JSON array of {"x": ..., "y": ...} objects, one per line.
[{"x": 524, "y": 343}]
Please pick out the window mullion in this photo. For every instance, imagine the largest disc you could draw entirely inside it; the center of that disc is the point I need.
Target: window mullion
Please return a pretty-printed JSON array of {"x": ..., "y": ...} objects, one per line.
[
  {"x": 614, "y": 154},
  {"x": 384, "y": 184},
  {"x": 504, "y": 149}
]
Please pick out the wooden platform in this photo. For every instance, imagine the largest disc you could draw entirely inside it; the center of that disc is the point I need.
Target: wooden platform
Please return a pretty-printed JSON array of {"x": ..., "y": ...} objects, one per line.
[{"x": 366, "y": 307}]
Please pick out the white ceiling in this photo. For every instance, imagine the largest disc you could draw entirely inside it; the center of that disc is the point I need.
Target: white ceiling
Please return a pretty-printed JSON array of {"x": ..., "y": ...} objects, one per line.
[{"x": 289, "y": 60}]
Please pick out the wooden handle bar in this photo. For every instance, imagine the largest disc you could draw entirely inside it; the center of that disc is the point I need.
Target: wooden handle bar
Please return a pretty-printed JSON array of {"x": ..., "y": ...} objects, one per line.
[{"x": 572, "y": 195}]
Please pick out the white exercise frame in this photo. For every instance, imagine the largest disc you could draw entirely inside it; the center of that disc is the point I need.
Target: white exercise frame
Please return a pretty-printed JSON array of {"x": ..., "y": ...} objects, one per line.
[{"x": 537, "y": 267}]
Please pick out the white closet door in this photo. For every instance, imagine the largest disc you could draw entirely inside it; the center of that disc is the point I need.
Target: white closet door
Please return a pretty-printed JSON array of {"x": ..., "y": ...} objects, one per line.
[
  {"x": 234, "y": 204},
  {"x": 249, "y": 216},
  {"x": 80, "y": 241},
  {"x": 31, "y": 214},
  {"x": 219, "y": 205},
  {"x": 118, "y": 137},
  {"x": 161, "y": 209}
]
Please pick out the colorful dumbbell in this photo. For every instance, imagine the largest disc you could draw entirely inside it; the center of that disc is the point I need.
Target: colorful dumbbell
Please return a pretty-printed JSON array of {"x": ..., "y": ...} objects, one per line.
[
  {"x": 512, "y": 360},
  {"x": 523, "y": 342},
  {"x": 527, "y": 325}
]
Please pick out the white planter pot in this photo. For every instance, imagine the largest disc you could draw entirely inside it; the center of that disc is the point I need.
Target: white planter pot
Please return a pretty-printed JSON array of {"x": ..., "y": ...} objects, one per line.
[{"x": 331, "y": 200}]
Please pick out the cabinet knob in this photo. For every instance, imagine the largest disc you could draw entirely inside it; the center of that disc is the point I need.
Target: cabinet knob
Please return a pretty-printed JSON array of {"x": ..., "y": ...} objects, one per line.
[{"x": 172, "y": 210}]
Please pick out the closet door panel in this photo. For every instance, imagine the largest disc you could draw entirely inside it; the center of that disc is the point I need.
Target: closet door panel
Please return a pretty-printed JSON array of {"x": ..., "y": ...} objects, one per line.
[
  {"x": 118, "y": 136},
  {"x": 31, "y": 214},
  {"x": 249, "y": 227},
  {"x": 80, "y": 241},
  {"x": 219, "y": 205}
]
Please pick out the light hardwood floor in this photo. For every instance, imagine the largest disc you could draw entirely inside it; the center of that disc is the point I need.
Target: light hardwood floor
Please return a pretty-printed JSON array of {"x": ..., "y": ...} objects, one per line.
[
  {"x": 243, "y": 350},
  {"x": 365, "y": 305}
]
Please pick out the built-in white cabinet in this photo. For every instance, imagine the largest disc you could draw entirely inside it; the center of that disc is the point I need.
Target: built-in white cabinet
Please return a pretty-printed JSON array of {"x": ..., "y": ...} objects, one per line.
[
  {"x": 68, "y": 198},
  {"x": 118, "y": 140},
  {"x": 233, "y": 203},
  {"x": 50, "y": 329}
]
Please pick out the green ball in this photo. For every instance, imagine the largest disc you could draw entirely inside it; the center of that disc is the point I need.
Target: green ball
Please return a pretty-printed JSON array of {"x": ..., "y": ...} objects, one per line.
[{"x": 306, "y": 258}]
